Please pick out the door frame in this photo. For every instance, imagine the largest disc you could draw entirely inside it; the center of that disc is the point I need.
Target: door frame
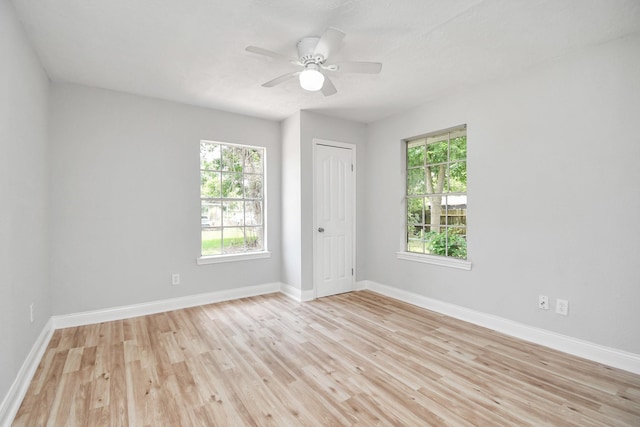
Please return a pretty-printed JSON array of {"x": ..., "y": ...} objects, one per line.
[{"x": 352, "y": 147}]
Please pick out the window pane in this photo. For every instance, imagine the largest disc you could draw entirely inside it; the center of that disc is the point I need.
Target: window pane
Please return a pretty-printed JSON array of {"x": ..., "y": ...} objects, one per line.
[
  {"x": 231, "y": 158},
  {"x": 437, "y": 152},
  {"x": 427, "y": 210},
  {"x": 457, "y": 242},
  {"x": 436, "y": 241},
  {"x": 233, "y": 240},
  {"x": 252, "y": 160},
  {"x": 458, "y": 177},
  {"x": 458, "y": 148},
  {"x": 415, "y": 155},
  {"x": 415, "y": 232},
  {"x": 232, "y": 185},
  {"x": 209, "y": 156},
  {"x": 415, "y": 236},
  {"x": 253, "y": 212},
  {"x": 232, "y": 214},
  {"x": 415, "y": 211},
  {"x": 211, "y": 241},
  {"x": 435, "y": 212},
  {"x": 209, "y": 184},
  {"x": 415, "y": 181},
  {"x": 211, "y": 213},
  {"x": 415, "y": 246},
  {"x": 205, "y": 220},
  {"x": 436, "y": 179},
  {"x": 255, "y": 238},
  {"x": 456, "y": 213},
  {"x": 253, "y": 186}
]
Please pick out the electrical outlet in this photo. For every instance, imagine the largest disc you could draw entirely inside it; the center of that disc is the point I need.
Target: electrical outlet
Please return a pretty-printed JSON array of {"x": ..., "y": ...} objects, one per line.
[
  {"x": 31, "y": 312},
  {"x": 543, "y": 302},
  {"x": 175, "y": 279},
  {"x": 562, "y": 307}
]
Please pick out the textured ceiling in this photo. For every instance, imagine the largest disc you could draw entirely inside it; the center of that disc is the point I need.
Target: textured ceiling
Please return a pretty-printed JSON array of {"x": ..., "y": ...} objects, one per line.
[{"x": 192, "y": 51}]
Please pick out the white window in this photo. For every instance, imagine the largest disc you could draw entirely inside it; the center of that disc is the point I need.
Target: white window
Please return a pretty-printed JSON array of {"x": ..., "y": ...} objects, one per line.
[
  {"x": 231, "y": 199},
  {"x": 436, "y": 198}
]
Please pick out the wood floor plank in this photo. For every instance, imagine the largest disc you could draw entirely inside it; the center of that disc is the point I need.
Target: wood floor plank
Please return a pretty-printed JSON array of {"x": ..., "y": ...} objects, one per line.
[{"x": 358, "y": 359}]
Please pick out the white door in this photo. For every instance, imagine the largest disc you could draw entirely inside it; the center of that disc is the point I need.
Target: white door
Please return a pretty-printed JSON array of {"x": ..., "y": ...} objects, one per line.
[{"x": 334, "y": 219}]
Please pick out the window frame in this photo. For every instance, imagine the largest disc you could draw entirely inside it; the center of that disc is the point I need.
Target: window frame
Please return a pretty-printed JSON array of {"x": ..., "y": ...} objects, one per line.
[
  {"x": 404, "y": 253},
  {"x": 235, "y": 256}
]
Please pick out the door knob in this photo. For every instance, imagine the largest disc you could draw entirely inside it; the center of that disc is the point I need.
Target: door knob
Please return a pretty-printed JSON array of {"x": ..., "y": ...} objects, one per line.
[{"x": 320, "y": 229}]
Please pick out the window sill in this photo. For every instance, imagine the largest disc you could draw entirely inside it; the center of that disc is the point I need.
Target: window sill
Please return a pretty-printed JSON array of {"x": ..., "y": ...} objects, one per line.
[
  {"x": 435, "y": 260},
  {"x": 216, "y": 259}
]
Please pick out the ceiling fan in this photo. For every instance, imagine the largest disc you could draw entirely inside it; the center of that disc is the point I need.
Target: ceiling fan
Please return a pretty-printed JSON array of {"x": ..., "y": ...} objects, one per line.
[{"x": 313, "y": 53}]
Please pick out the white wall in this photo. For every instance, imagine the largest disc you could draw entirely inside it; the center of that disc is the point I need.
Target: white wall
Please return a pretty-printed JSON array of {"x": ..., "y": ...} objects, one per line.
[
  {"x": 313, "y": 125},
  {"x": 125, "y": 198},
  {"x": 298, "y": 133},
  {"x": 291, "y": 218},
  {"x": 24, "y": 232},
  {"x": 554, "y": 204}
]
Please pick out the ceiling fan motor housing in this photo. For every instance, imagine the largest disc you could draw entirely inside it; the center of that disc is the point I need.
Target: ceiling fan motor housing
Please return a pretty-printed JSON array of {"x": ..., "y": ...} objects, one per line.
[{"x": 306, "y": 51}]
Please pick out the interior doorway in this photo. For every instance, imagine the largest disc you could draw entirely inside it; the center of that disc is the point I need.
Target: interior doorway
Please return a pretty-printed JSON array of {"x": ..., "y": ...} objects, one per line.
[{"x": 334, "y": 217}]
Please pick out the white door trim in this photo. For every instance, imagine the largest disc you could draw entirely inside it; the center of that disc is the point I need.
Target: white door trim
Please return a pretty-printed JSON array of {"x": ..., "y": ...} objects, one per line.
[{"x": 352, "y": 147}]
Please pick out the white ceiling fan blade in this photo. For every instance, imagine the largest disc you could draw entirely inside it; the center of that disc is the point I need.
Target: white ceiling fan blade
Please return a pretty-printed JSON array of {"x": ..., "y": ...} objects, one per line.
[
  {"x": 283, "y": 78},
  {"x": 328, "y": 88},
  {"x": 329, "y": 42},
  {"x": 271, "y": 54},
  {"x": 359, "y": 67}
]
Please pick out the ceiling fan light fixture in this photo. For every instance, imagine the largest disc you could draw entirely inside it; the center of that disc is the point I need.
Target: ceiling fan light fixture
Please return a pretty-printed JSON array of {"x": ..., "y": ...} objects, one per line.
[{"x": 311, "y": 79}]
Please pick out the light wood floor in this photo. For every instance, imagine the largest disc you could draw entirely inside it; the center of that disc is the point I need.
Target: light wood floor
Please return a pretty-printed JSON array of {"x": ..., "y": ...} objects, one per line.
[{"x": 352, "y": 359}]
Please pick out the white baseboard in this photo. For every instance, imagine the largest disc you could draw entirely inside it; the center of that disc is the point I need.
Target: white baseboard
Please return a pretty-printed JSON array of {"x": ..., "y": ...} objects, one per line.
[
  {"x": 135, "y": 310},
  {"x": 308, "y": 295},
  {"x": 12, "y": 400},
  {"x": 296, "y": 293},
  {"x": 587, "y": 350},
  {"x": 291, "y": 291}
]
